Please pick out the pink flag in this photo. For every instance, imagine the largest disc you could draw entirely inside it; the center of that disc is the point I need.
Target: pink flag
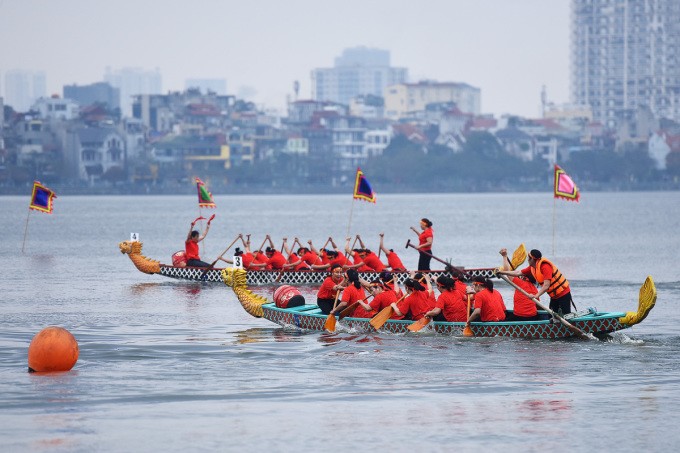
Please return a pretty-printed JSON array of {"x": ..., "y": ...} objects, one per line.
[{"x": 564, "y": 186}]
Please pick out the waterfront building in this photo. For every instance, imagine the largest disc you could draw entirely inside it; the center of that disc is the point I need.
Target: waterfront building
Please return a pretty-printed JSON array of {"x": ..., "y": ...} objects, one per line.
[{"x": 406, "y": 100}]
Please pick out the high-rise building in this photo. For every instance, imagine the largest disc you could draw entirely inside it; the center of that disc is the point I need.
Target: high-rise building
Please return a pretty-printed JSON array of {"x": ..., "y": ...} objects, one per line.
[
  {"x": 133, "y": 82},
  {"x": 625, "y": 55},
  {"x": 358, "y": 71},
  {"x": 23, "y": 88}
]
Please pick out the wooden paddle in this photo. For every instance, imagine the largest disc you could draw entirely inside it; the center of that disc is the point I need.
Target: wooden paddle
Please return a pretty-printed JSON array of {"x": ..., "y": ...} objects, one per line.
[
  {"x": 446, "y": 263},
  {"x": 329, "y": 325},
  {"x": 518, "y": 257},
  {"x": 467, "y": 332},
  {"x": 386, "y": 313},
  {"x": 212, "y": 265},
  {"x": 575, "y": 330},
  {"x": 348, "y": 310},
  {"x": 419, "y": 324}
]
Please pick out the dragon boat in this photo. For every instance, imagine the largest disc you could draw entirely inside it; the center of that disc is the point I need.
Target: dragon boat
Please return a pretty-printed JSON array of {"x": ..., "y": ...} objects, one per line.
[
  {"x": 258, "y": 277},
  {"x": 310, "y": 318}
]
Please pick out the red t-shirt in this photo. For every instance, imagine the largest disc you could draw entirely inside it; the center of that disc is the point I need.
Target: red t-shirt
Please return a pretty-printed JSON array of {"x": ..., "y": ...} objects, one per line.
[
  {"x": 492, "y": 305},
  {"x": 247, "y": 259},
  {"x": 276, "y": 261},
  {"x": 455, "y": 306},
  {"x": 394, "y": 262},
  {"x": 311, "y": 258},
  {"x": 417, "y": 303},
  {"x": 340, "y": 259},
  {"x": 191, "y": 250},
  {"x": 422, "y": 238},
  {"x": 352, "y": 294},
  {"x": 326, "y": 290},
  {"x": 260, "y": 258},
  {"x": 383, "y": 300},
  {"x": 374, "y": 262},
  {"x": 522, "y": 305}
]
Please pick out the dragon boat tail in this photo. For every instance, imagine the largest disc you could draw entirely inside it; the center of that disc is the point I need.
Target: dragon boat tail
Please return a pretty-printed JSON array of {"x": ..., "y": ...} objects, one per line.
[{"x": 310, "y": 317}]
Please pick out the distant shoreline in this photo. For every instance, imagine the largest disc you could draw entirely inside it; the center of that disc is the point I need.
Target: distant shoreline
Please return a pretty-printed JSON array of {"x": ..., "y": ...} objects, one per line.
[{"x": 325, "y": 190}]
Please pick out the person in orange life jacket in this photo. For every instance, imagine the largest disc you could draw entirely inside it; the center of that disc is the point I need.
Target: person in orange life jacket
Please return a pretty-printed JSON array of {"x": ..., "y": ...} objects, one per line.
[
  {"x": 489, "y": 305},
  {"x": 550, "y": 280},
  {"x": 334, "y": 283},
  {"x": 424, "y": 244},
  {"x": 352, "y": 293},
  {"x": 451, "y": 304},
  {"x": 393, "y": 260},
  {"x": 416, "y": 303},
  {"x": 524, "y": 309},
  {"x": 191, "y": 245}
]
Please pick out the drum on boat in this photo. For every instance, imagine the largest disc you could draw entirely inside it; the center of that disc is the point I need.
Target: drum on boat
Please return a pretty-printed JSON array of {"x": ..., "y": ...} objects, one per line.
[
  {"x": 179, "y": 259},
  {"x": 287, "y": 296}
]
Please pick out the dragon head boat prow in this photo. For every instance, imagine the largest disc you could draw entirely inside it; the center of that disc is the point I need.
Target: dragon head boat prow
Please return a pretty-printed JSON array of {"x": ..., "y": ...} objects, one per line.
[
  {"x": 646, "y": 303},
  {"x": 134, "y": 251},
  {"x": 236, "y": 279}
]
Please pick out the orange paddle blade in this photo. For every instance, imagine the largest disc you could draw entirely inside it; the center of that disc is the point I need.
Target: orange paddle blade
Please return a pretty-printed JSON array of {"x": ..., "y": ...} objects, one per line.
[
  {"x": 419, "y": 324},
  {"x": 329, "y": 325},
  {"x": 467, "y": 332},
  {"x": 381, "y": 318}
]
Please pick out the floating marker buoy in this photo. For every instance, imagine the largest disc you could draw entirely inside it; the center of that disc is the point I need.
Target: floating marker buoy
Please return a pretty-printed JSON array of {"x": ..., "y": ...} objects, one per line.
[{"x": 52, "y": 349}]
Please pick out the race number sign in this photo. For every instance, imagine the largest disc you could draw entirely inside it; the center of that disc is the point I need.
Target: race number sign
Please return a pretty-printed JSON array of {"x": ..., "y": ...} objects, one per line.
[
  {"x": 134, "y": 237},
  {"x": 238, "y": 261}
]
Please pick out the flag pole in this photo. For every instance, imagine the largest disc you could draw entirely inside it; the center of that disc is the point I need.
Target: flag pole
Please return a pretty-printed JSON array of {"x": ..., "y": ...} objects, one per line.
[
  {"x": 25, "y": 231},
  {"x": 349, "y": 224},
  {"x": 554, "y": 215}
]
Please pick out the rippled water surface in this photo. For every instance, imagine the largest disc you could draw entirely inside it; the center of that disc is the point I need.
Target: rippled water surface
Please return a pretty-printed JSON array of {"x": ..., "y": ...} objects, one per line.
[{"x": 167, "y": 365}]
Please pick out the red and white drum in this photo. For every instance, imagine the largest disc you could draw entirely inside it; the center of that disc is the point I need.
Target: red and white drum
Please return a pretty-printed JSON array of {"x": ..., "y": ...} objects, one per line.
[
  {"x": 179, "y": 259},
  {"x": 287, "y": 296}
]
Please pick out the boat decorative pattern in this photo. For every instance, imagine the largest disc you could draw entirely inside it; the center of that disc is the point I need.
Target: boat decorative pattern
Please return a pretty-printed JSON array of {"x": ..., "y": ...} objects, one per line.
[
  {"x": 259, "y": 277},
  {"x": 301, "y": 278},
  {"x": 596, "y": 323}
]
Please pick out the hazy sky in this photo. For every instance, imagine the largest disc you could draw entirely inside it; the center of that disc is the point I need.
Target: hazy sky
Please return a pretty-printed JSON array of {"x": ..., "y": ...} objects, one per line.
[{"x": 508, "y": 48}]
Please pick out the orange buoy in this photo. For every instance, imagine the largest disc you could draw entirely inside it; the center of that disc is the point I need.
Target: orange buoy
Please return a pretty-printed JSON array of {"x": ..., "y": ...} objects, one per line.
[{"x": 52, "y": 349}]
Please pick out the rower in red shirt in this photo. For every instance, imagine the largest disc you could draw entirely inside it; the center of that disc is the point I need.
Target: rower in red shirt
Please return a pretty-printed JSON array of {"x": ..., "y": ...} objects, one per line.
[
  {"x": 416, "y": 303},
  {"x": 451, "y": 304},
  {"x": 334, "y": 283},
  {"x": 489, "y": 305},
  {"x": 352, "y": 293},
  {"x": 393, "y": 260}
]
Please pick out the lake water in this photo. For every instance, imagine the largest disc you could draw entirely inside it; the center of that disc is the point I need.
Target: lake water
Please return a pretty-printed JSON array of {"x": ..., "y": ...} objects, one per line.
[{"x": 168, "y": 365}]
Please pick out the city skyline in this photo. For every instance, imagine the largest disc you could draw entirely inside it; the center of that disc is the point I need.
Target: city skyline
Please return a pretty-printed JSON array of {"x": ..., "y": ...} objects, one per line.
[{"x": 507, "y": 49}]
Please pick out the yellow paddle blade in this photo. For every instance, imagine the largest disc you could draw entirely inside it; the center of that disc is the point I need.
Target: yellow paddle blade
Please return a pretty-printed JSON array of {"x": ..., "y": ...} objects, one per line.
[
  {"x": 349, "y": 310},
  {"x": 329, "y": 325},
  {"x": 518, "y": 256},
  {"x": 381, "y": 318},
  {"x": 419, "y": 324}
]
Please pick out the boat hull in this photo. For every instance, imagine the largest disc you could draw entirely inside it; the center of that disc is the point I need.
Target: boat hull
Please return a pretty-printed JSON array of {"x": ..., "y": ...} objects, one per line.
[
  {"x": 300, "y": 278},
  {"x": 310, "y": 318}
]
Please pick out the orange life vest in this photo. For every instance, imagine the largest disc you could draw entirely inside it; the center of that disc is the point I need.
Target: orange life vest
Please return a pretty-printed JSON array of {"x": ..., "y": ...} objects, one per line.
[{"x": 558, "y": 282}]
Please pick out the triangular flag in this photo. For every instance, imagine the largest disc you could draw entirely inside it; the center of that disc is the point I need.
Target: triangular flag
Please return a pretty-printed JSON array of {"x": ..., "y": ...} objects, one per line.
[
  {"x": 205, "y": 199},
  {"x": 362, "y": 188},
  {"x": 564, "y": 186}
]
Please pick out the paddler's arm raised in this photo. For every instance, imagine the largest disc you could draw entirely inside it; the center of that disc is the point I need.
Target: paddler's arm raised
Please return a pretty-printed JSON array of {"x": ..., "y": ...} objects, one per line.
[{"x": 506, "y": 268}]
